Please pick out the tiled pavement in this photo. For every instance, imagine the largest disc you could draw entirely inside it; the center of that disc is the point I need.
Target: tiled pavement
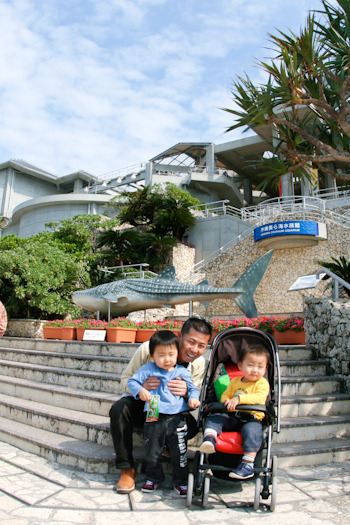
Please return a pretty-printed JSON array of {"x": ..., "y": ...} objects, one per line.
[{"x": 35, "y": 491}]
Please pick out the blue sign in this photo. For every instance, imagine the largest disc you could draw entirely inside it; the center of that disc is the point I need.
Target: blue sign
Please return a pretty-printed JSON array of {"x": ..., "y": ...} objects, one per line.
[{"x": 276, "y": 229}]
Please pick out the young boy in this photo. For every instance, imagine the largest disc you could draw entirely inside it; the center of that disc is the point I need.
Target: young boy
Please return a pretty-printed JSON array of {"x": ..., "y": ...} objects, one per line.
[
  {"x": 251, "y": 389},
  {"x": 170, "y": 427}
]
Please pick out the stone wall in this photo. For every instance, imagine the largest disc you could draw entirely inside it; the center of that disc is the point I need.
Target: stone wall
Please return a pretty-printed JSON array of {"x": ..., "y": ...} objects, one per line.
[
  {"x": 327, "y": 327},
  {"x": 284, "y": 269}
]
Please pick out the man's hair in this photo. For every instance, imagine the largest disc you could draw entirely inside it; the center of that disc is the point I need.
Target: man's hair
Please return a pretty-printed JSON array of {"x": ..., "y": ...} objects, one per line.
[
  {"x": 254, "y": 349},
  {"x": 163, "y": 337},
  {"x": 199, "y": 324}
]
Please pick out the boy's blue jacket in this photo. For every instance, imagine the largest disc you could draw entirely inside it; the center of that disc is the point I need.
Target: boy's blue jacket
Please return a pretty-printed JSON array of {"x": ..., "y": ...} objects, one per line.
[{"x": 169, "y": 404}]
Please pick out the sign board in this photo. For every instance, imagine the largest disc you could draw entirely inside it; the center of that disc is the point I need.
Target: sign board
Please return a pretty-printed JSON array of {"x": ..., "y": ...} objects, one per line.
[
  {"x": 94, "y": 335},
  {"x": 307, "y": 281},
  {"x": 276, "y": 229}
]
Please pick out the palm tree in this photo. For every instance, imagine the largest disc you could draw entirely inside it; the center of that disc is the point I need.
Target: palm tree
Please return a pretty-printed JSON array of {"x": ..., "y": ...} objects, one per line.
[{"x": 306, "y": 97}]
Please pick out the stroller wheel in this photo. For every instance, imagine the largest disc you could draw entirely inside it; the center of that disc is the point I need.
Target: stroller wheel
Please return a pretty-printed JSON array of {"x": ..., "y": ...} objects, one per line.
[
  {"x": 273, "y": 494},
  {"x": 274, "y": 466},
  {"x": 257, "y": 493},
  {"x": 190, "y": 483},
  {"x": 206, "y": 489}
]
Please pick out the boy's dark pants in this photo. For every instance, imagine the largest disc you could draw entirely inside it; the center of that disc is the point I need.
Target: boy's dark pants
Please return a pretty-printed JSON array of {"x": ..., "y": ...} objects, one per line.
[
  {"x": 127, "y": 414},
  {"x": 172, "y": 431}
]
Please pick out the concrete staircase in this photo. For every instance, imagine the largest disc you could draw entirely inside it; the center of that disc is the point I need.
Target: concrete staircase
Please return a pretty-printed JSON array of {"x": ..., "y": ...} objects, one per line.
[{"x": 55, "y": 397}]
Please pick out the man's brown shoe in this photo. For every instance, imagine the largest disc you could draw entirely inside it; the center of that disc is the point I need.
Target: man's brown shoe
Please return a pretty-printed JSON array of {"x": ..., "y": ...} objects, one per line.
[{"x": 126, "y": 482}]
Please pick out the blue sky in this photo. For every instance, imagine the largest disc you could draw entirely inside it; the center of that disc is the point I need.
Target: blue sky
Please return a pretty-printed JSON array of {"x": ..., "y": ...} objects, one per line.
[{"x": 99, "y": 85}]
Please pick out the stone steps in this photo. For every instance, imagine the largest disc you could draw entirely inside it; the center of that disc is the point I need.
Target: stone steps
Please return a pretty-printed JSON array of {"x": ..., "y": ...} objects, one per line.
[
  {"x": 315, "y": 405},
  {"x": 97, "y": 381},
  {"x": 113, "y": 365},
  {"x": 56, "y": 395},
  {"x": 66, "y": 407}
]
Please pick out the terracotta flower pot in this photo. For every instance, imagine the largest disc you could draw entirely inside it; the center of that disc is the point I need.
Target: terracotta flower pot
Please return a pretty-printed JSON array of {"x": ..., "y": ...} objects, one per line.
[
  {"x": 52, "y": 332},
  {"x": 144, "y": 334},
  {"x": 80, "y": 333},
  {"x": 120, "y": 334},
  {"x": 289, "y": 337},
  {"x": 68, "y": 333}
]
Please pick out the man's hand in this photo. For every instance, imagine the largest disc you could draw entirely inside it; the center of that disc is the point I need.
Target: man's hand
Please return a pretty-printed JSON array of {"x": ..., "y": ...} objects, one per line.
[
  {"x": 178, "y": 387},
  {"x": 232, "y": 403},
  {"x": 144, "y": 395},
  {"x": 152, "y": 383}
]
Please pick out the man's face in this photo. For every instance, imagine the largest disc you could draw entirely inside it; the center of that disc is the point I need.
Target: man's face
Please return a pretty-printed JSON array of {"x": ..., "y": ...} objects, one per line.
[{"x": 192, "y": 345}]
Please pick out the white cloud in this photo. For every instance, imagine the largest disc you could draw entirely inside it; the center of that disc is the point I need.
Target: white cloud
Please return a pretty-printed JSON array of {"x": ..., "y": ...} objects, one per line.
[{"x": 101, "y": 84}]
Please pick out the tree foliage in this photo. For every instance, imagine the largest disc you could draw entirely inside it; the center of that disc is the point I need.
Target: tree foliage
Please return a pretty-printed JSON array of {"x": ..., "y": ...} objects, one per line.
[
  {"x": 155, "y": 209},
  {"x": 37, "y": 277},
  {"x": 306, "y": 97}
]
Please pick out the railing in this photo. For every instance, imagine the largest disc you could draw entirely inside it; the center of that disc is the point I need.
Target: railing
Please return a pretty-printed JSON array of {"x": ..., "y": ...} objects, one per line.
[
  {"x": 123, "y": 172},
  {"x": 279, "y": 209},
  {"x": 195, "y": 269},
  {"x": 336, "y": 279},
  {"x": 142, "y": 273},
  {"x": 214, "y": 209}
]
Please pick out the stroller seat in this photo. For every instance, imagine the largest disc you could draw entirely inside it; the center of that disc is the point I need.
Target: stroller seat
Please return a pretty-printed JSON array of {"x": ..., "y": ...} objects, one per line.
[{"x": 228, "y": 442}]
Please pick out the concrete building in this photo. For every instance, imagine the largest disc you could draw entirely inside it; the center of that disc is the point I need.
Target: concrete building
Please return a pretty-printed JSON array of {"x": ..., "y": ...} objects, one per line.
[{"x": 31, "y": 197}]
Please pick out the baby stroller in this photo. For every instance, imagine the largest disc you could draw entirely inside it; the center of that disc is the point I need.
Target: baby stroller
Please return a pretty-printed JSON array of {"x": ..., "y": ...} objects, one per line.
[{"x": 221, "y": 368}]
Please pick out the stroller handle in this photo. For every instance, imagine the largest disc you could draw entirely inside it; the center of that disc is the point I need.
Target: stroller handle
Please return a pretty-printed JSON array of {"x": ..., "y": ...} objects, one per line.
[{"x": 216, "y": 407}]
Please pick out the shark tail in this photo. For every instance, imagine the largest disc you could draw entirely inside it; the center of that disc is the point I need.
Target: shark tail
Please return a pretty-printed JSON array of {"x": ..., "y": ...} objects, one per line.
[{"x": 249, "y": 282}]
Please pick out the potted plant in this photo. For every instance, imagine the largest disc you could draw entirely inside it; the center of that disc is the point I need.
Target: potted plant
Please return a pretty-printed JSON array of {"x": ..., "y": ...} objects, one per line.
[
  {"x": 288, "y": 330},
  {"x": 87, "y": 324},
  {"x": 145, "y": 330},
  {"x": 53, "y": 329},
  {"x": 173, "y": 325},
  {"x": 68, "y": 331},
  {"x": 121, "y": 330}
]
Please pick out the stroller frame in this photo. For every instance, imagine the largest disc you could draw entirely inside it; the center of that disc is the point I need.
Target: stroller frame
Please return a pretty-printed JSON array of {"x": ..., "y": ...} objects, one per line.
[{"x": 265, "y": 476}]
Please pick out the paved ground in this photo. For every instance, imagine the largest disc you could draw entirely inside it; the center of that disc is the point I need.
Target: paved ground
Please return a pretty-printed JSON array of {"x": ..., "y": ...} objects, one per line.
[{"x": 34, "y": 491}]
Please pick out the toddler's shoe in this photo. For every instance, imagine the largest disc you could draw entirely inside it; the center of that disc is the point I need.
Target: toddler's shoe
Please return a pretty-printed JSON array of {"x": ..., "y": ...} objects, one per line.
[
  {"x": 209, "y": 445},
  {"x": 149, "y": 486},
  {"x": 243, "y": 471},
  {"x": 181, "y": 490}
]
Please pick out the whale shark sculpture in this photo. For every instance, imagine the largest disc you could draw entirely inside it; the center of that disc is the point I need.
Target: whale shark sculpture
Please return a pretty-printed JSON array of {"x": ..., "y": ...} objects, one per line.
[{"x": 129, "y": 295}]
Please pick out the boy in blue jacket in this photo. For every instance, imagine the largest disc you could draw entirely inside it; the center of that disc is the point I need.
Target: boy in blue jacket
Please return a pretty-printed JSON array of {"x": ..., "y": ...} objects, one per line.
[{"x": 165, "y": 424}]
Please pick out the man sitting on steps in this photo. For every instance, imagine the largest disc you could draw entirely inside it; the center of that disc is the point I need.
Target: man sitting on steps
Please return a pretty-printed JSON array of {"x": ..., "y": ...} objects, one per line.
[{"x": 128, "y": 413}]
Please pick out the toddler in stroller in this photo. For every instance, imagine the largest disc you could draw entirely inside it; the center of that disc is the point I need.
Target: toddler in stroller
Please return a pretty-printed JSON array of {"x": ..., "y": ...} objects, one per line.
[
  {"x": 250, "y": 389},
  {"x": 237, "y": 411}
]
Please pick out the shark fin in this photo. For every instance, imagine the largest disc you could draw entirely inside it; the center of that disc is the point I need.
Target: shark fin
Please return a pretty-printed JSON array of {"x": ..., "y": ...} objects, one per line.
[
  {"x": 169, "y": 274},
  {"x": 122, "y": 300},
  {"x": 249, "y": 282},
  {"x": 204, "y": 283}
]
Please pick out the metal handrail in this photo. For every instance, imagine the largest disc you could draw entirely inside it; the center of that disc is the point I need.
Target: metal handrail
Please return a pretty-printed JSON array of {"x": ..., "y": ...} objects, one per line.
[
  {"x": 143, "y": 274},
  {"x": 198, "y": 266},
  {"x": 337, "y": 280}
]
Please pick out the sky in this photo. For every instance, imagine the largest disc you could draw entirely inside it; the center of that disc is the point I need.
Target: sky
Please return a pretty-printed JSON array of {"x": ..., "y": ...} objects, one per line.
[{"x": 99, "y": 85}]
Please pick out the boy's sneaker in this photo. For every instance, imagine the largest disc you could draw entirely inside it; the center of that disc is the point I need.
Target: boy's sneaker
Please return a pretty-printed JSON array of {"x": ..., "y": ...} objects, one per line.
[
  {"x": 181, "y": 490},
  {"x": 243, "y": 471},
  {"x": 149, "y": 486},
  {"x": 209, "y": 445}
]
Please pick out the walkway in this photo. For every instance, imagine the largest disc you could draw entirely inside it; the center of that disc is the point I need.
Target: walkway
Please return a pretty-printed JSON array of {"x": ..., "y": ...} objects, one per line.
[{"x": 34, "y": 491}]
